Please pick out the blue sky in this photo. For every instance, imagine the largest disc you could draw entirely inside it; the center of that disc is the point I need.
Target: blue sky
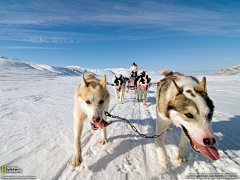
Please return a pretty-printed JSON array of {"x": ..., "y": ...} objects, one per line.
[{"x": 177, "y": 34}]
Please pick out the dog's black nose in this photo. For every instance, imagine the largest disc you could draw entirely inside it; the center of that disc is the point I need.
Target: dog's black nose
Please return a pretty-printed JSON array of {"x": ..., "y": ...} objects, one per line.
[
  {"x": 209, "y": 142},
  {"x": 96, "y": 120}
]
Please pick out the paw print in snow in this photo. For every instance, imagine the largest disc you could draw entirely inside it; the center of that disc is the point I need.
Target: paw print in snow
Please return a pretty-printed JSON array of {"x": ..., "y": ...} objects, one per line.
[{"x": 128, "y": 166}]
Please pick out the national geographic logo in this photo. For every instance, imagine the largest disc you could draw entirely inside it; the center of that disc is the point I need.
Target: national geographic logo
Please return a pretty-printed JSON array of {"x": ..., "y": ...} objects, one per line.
[{"x": 11, "y": 169}]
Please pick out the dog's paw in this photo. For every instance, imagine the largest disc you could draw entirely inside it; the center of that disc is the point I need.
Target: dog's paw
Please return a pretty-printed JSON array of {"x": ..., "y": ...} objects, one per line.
[
  {"x": 182, "y": 159},
  {"x": 120, "y": 103},
  {"x": 144, "y": 104},
  {"x": 103, "y": 142},
  {"x": 164, "y": 165},
  {"x": 76, "y": 160}
]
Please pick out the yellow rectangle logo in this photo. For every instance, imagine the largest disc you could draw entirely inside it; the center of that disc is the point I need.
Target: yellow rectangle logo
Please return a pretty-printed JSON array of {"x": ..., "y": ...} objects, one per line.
[{"x": 4, "y": 169}]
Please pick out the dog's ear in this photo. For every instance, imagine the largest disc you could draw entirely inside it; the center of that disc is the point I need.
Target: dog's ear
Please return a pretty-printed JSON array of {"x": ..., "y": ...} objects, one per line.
[
  {"x": 170, "y": 90},
  {"x": 173, "y": 91},
  {"x": 202, "y": 86},
  {"x": 83, "y": 81},
  {"x": 175, "y": 87},
  {"x": 103, "y": 81}
]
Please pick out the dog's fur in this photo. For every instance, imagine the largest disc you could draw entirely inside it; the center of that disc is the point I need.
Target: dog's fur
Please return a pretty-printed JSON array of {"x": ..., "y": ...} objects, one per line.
[
  {"x": 140, "y": 81},
  {"x": 90, "y": 101},
  {"x": 119, "y": 80},
  {"x": 184, "y": 102}
]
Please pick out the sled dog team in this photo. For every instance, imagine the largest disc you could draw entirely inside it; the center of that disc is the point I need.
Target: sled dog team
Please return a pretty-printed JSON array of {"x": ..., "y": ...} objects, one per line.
[
  {"x": 181, "y": 100},
  {"x": 121, "y": 85}
]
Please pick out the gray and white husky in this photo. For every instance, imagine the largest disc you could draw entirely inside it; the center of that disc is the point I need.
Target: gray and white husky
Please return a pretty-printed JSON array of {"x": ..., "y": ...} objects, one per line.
[{"x": 183, "y": 101}]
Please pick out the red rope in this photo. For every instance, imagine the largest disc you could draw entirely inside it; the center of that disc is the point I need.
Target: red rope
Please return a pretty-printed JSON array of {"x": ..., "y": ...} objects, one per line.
[{"x": 158, "y": 83}]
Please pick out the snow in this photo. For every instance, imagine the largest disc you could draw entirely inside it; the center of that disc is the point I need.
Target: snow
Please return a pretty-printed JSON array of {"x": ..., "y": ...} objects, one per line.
[
  {"x": 235, "y": 70},
  {"x": 36, "y": 132}
]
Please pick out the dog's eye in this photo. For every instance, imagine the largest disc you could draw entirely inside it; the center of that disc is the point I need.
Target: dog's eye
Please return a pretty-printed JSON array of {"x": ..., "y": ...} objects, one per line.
[
  {"x": 101, "y": 102},
  {"x": 189, "y": 115},
  {"x": 88, "y": 102}
]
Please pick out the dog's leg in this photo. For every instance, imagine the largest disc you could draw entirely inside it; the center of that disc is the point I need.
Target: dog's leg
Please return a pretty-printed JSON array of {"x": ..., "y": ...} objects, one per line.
[
  {"x": 79, "y": 117},
  {"x": 159, "y": 143},
  {"x": 141, "y": 95},
  {"x": 137, "y": 95},
  {"x": 116, "y": 93},
  {"x": 144, "y": 98},
  {"x": 122, "y": 95},
  {"x": 127, "y": 86},
  {"x": 182, "y": 149},
  {"x": 104, "y": 140}
]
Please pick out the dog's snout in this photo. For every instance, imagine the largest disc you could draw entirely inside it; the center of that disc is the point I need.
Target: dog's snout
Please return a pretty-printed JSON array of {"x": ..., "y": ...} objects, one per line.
[
  {"x": 209, "y": 142},
  {"x": 96, "y": 120}
]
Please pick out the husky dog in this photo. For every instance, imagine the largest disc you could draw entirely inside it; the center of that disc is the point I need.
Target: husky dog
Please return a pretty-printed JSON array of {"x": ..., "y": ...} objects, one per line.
[
  {"x": 142, "y": 80},
  {"x": 183, "y": 101},
  {"x": 90, "y": 101},
  {"x": 119, "y": 86}
]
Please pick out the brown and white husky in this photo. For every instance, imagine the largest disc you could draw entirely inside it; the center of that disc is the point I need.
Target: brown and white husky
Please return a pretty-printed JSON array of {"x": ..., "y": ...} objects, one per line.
[{"x": 90, "y": 101}]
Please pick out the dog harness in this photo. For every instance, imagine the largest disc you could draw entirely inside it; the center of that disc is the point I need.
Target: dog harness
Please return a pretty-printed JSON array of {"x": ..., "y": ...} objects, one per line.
[
  {"x": 164, "y": 79},
  {"x": 142, "y": 80}
]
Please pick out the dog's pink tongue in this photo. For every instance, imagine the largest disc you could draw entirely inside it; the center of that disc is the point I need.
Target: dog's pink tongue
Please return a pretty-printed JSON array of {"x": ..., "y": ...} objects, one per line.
[
  {"x": 103, "y": 124},
  {"x": 210, "y": 152}
]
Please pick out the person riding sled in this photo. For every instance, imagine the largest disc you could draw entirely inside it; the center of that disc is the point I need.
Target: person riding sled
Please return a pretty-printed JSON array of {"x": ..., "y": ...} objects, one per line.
[{"x": 134, "y": 71}]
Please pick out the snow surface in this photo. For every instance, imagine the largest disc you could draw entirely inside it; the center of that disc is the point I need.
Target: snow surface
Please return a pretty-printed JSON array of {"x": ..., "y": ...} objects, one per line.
[{"x": 36, "y": 132}]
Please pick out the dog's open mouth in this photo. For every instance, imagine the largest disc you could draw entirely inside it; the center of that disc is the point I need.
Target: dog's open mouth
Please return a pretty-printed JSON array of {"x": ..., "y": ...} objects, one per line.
[
  {"x": 100, "y": 125},
  {"x": 208, "y": 151}
]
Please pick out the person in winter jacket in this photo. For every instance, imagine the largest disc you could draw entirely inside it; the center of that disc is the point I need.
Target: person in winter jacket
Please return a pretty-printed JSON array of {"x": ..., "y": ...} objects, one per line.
[{"x": 133, "y": 70}]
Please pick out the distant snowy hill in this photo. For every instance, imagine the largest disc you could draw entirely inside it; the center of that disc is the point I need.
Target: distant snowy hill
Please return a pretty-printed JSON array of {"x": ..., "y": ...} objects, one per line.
[
  {"x": 235, "y": 70},
  {"x": 16, "y": 66}
]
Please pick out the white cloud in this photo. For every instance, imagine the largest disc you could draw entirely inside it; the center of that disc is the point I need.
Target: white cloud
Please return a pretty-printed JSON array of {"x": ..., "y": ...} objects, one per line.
[{"x": 47, "y": 21}]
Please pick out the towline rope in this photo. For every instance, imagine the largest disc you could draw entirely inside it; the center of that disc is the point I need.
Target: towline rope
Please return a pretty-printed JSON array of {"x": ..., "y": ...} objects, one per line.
[
  {"x": 145, "y": 85},
  {"x": 171, "y": 126}
]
